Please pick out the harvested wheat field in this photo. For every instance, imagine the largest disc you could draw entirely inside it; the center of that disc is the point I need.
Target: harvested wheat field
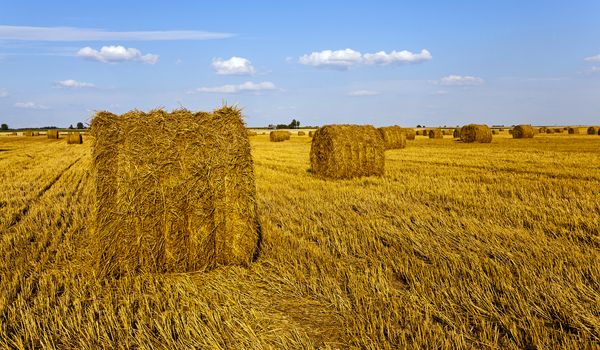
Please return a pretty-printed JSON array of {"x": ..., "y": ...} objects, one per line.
[{"x": 456, "y": 245}]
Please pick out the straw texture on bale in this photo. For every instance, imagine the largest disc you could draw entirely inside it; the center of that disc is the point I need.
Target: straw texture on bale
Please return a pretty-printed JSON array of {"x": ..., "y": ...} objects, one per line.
[
  {"x": 476, "y": 133},
  {"x": 549, "y": 131},
  {"x": 74, "y": 138},
  {"x": 311, "y": 133},
  {"x": 522, "y": 132},
  {"x": 347, "y": 151},
  {"x": 31, "y": 133},
  {"x": 456, "y": 133},
  {"x": 558, "y": 130},
  {"x": 436, "y": 134},
  {"x": 52, "y": 134},
  {"x": 393, "y": 137},
  {"x": 301, "y": 133},
  {"x": 279, "y": 136},
  {"x": 495, "y": 132},
  {"x": 593, "y": 130},
  {"x": 174, "y": 192},
  {"x": 409, "y": 132}
]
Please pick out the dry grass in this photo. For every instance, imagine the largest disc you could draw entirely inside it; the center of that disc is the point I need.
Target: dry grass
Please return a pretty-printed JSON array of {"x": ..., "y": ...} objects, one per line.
[{"x": 471, "y": 246}]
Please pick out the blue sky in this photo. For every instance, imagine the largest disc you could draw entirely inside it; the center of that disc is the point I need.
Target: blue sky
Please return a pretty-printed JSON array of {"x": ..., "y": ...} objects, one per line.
[{"x": 384, "y": 62}]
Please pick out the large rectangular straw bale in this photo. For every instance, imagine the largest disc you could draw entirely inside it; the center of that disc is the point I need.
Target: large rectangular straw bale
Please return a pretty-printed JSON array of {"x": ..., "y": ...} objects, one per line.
[
  {"x": 175, "y": 191},
  {"x": 347, "y": 151},
  {"x": 393, "y": 137}
]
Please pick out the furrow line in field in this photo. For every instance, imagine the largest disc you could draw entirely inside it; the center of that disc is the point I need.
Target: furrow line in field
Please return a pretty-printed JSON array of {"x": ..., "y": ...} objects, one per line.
[{"x": 21, "y": 213}]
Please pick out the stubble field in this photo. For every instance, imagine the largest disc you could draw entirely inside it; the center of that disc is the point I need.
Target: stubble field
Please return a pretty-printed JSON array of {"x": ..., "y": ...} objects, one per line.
[{"x": 482, "y": 246}]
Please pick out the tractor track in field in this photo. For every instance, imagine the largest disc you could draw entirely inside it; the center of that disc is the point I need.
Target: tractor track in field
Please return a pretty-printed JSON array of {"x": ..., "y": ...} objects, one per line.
[
  {"x": 44, "y": 256},
  {"x": 23, "y": 212}
]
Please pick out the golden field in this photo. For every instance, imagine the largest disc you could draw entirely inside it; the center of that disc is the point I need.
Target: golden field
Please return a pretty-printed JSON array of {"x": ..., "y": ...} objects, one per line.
[{"x": 477, "y": 246}]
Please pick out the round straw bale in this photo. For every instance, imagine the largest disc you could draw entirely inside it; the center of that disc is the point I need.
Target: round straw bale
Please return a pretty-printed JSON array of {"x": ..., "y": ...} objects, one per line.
[
  {"x": 549, "y": 131},
  {"x": 52, "y": 134},
  {"x": 436, "y": 134},
  {"x": 522, "y": 132},
  {"x": 311, "y": 133},
  {"x": 28, "y": 133},
  {"x": 74, "y": 138},
  {"x": 542, "y": 130},
  {"x": 510, "y": 131},
  {"x": 476, "y": 133},
  {"x": 593, "y": 130},
  {"x": 301, "y": 133},
  {"x": 185, "y": 199},
  {"x": 279, "y": 135},
  {"x": 409, "y": 132},
  {"x": 574, "y": 130},
  {"x": 252, "y": 133},
  {"x": 393, "y": 137},
  {"x": 495, "y": 132},
  {"x": 558, "y": 130},
  {"x": 456, "y": 133},
  {"x": 347, "y": 151}
]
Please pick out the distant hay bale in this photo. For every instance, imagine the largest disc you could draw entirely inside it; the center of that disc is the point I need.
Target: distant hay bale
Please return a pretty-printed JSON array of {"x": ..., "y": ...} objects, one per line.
[
  {"x": 311, "y": 133},
  {"x": 476, "y": 133},
  {"x": 252, "y": 133},
  {"x": 522, "y": 132},
  {"x": 409, "y": 132},
  {"x": 549, "y": 131},
  {"x": 510, "y": 131},
  {"x": 558, "y": 130},
  {"x": 279, "y": 136},
  {"x": 542, "y": 130},
  {"x": 576, "y": 130},
  {"x": 456, "y": 133},
  {"x": 13, "y": 134},
  {"x": 495, "y": 132},
  {"x": 28, "y": 133},
  {"x": 52, "y": 134},
  {"x": 593, "y": 130},
  {"x": 301, "y": 133},
  {"x": 347, "y": 151},
  {"x": 393, "y": 137},
  {"x": 174, "y": 192},
  {"x": 436, "y": 134},
  {"x": 74, "y": 138}
]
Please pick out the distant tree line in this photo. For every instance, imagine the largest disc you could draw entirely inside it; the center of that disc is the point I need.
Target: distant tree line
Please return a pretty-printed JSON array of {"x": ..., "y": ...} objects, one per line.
[{"x": 80, "y": 125}]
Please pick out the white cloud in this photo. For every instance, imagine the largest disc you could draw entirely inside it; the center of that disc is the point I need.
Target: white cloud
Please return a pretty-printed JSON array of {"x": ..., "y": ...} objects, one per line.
[
  {"x": 593, "y": 58},
  {"x": 340, "y": 59},
  {"x": 364, "y": 93},
  {"x": 344, "y": 59},
  {"x": 94, "y": 34},
  {"x": 113, "y": 54},
  {"x": 459, "y": 80},
  {"x": 30, "y": 105},
  {"x": 403, "y": 56},
  {"x": 3, "y": 93},
  {"x": 594, "y": 70},
  {"x": 233, "y": 66},
  {"x": 74, "y": 84},
  {"x": 245, "y": 87}
]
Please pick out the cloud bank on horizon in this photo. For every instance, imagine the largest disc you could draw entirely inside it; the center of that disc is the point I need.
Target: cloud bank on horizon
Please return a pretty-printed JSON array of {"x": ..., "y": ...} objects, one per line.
[{"x": 359, "y": 64}]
